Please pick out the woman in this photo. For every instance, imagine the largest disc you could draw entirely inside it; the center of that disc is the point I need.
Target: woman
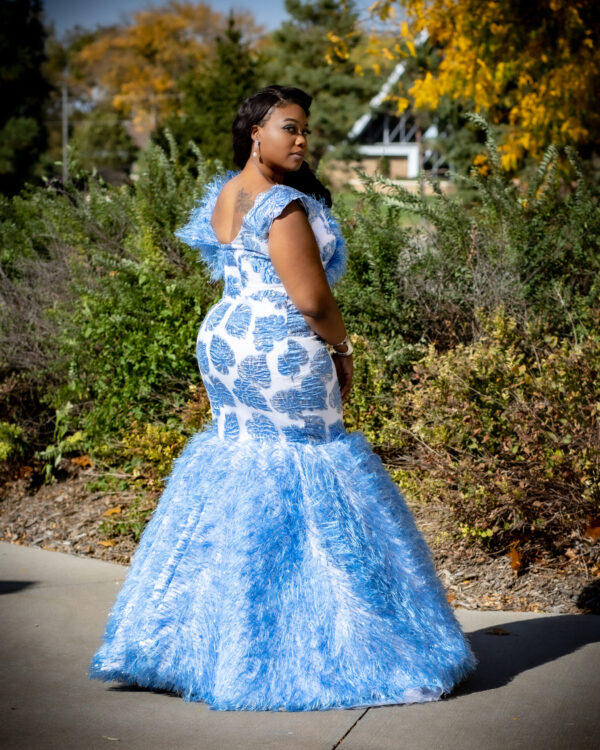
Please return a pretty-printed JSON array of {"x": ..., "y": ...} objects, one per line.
[{"x": 281, "y": 569}]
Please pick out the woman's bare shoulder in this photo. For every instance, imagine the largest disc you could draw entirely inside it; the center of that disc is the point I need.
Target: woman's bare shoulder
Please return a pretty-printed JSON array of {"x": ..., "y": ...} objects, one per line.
[
  {"x": 240, "y": 192},
  {"x": 235, "y": 200}
]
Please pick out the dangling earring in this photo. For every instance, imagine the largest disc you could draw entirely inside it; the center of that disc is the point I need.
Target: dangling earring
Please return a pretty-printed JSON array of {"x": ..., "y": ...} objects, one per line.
[{"x": 255, "y": 152}]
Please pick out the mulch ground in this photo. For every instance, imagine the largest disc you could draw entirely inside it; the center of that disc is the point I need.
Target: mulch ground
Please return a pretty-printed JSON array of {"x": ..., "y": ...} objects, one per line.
[{"x": 65, "y": 516}]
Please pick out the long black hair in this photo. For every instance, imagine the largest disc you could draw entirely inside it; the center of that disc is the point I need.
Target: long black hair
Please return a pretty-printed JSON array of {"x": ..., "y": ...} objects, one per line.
[{"x": 253, "y": 112}]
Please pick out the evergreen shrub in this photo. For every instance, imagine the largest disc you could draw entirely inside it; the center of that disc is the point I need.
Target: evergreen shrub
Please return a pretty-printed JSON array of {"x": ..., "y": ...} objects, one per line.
[
  {"x": 532, "y": 248},
  {"x": 484, "y": 320},
  {"x": 506, "y": 432},
  {"x": 114, "y": 335},
  {"x": 127, "y": 336}
]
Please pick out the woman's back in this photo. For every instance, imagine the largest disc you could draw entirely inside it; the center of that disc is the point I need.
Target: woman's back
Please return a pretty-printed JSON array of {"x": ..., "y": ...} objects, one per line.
[
  {"x": 267, "y": 373},
  {"x": 235, "y": 200}
]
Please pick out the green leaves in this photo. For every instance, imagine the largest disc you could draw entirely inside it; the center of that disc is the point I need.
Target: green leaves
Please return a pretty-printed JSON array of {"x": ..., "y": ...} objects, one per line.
[
  {"x": 501, "y": 424},
  {"x": 529, "y": 245},
  {"x": 129, "y": 299}
]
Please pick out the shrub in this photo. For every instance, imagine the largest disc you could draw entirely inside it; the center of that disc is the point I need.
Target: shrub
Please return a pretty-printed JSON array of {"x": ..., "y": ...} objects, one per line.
[
  {"x": 506, "y": 432},
  {"x": 129, "y": 521},
  {"x": 113, "y": 299},
  {"x": 532, "y": 249},
  {"x": 371, "y": 295},
  {"x": 369, "y": 404},
  {"x": 153, "y": 447},
  {"x": 10, "y": 441}
]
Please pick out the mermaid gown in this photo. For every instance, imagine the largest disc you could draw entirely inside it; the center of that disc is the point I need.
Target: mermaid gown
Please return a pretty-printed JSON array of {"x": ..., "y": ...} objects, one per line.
[{"x": 281, "y": 568}]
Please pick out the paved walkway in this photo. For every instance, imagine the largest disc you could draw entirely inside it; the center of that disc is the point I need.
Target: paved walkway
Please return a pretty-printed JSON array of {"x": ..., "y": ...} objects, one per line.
[{"x": 538, "y": 686}]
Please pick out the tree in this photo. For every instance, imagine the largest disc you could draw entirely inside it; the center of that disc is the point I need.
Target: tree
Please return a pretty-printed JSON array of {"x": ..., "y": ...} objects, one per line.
[
  {"x": 301, "y": 55},
  {"x": 533, "y": 69},
  {"x": 62, "y": 70},
  {"x": 212, "y": 95},
  {"x": 100, "y": 140},
  {"x": 24, "y": 90},
  {"x": 138, "y": 66}
]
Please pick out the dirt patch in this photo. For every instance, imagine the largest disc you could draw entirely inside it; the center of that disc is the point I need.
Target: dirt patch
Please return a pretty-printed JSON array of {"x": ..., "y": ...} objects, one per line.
[
  {"x": 66, "y": 516},
  {"x": 63, "y": 516}
]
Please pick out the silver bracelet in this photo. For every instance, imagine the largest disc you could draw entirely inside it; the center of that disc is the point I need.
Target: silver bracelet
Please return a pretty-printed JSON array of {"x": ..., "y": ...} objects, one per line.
[{"x": 348, "y": 351}]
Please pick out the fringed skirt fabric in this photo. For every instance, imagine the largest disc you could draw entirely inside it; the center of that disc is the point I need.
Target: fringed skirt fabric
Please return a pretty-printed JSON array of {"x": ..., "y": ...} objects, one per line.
[{"x": 277, "y": 576}]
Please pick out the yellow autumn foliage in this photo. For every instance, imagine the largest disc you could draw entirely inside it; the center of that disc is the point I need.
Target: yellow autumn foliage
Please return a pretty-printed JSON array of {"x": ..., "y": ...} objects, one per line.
[
  {"x": 540, "y": 77},
  {"x": 136, "y": 66}
]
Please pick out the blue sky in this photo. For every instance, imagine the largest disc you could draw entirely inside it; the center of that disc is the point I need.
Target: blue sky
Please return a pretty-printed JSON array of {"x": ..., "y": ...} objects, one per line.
[{"x": 67, "y": 13}]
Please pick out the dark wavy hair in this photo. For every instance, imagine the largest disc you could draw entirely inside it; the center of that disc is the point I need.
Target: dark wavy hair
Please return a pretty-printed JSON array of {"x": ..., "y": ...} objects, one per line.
[{"x": 253, "y": 111}]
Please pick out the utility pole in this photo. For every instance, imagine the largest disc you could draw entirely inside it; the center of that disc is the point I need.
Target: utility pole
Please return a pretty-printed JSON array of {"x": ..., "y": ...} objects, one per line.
[
  {"x": 65, "y": 130},
  {"x": 419, "y": 139}
]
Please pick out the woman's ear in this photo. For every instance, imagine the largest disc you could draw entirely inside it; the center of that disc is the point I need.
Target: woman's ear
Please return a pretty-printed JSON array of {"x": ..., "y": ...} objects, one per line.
[{"x": 255, "y": 132}]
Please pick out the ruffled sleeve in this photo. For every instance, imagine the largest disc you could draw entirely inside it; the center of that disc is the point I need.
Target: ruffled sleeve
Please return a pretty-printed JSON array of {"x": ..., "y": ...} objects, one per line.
[
  {"x": 270, "y": 204},
  {"x": 337, "y": 262},
  {"x": 198, "y": 232}
]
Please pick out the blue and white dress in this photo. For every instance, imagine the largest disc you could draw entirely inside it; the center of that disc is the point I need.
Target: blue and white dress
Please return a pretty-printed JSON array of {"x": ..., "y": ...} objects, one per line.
[{"x": 281, "y": 568}]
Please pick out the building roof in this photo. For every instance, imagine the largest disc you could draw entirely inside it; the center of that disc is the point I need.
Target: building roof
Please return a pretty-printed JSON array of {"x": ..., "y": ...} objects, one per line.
[{"x": 376, "y": 102}]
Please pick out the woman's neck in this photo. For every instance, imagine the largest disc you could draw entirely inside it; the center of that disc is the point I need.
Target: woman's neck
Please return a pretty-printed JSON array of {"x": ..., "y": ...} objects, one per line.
[{"x": 270, "y": 175}]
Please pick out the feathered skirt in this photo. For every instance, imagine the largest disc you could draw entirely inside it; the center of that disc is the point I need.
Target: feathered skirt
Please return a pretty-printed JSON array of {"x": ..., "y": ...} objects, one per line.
[{"x": 277, "y": 576}]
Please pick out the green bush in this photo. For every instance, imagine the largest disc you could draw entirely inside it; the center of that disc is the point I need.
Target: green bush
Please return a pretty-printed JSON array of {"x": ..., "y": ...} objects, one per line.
[
  {"x": 11, "y": 436},
  {"x": 506, "y": 433},
  {"x": 369, "y": 404},
  {"x": 61, "y": 443},
  {"x": 127, "y": 338},
  {"x": 475, "y": 328},
  {"x": 533, "y": 251},
  {"x": 153, "y": 447},
  {"x": 129, "y": 521},
  {"x": 371, "y": 294},
  {"x": 115, "y": 299}
]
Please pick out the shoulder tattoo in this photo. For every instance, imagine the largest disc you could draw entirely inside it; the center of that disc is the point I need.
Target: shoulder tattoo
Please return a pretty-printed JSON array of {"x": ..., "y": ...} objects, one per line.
[{"x": 243, "y": 201}]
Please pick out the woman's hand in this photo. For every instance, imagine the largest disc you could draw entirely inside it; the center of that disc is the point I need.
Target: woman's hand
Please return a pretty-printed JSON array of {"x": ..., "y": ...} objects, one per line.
[{"x": 345, "y": 369}]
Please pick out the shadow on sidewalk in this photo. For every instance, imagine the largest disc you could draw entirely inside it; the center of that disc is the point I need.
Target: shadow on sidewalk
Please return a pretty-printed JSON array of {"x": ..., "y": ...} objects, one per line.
[
  {"x": 505, "y": 650},
  {"x": 510, "y": 648}
]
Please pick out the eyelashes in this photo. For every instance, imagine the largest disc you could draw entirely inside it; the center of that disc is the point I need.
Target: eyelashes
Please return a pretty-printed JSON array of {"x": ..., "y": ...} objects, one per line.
[{"x": 291, "y": 128}]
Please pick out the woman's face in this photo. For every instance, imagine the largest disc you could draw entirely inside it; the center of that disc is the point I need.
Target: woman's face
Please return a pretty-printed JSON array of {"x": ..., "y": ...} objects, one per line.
[{"x": 282, "y": 138}]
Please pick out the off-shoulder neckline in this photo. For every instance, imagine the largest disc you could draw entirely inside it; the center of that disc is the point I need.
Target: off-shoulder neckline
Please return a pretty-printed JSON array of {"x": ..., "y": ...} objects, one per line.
[{"x": 257, "y": 200}]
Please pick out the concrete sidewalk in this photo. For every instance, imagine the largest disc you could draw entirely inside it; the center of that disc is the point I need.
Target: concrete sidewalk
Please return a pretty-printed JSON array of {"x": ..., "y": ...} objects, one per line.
[{"x": 536, "y": 687}]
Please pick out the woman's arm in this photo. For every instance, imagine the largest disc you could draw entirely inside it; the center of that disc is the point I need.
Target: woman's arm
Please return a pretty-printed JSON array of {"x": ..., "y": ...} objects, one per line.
[{"x": 297, "y": 261}]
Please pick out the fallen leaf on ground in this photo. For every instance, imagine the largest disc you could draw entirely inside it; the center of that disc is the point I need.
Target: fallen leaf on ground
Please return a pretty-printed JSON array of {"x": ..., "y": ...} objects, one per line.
[
  {"x": 592, "y": 530},
  {"x": 516, "y": 557},
  {"x": 82, "y": 460},
  {"x": 497, "y": 631},
  {"x": 112, "y": 511}
]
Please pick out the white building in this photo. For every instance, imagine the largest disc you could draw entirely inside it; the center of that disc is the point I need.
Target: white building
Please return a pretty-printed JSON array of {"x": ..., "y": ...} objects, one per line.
[{"x": 389, "y": 143}]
